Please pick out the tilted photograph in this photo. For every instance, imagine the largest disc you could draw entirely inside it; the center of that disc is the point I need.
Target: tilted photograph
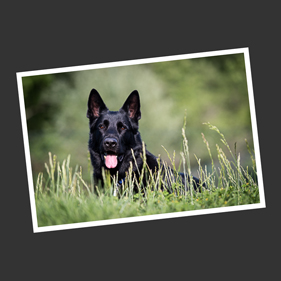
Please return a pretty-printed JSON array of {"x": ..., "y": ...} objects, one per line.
[{"x": 140, "y": 140}]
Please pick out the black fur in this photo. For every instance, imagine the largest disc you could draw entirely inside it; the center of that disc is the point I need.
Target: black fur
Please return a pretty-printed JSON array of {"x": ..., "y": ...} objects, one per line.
[{"x": 114, "y": 135}]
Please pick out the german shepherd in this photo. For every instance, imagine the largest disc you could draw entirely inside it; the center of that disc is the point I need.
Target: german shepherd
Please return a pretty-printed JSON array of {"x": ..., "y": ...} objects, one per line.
[{"x": 115, "y": 141}]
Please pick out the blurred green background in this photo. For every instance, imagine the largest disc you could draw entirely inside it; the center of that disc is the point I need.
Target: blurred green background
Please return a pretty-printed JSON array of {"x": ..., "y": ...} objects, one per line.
[{"x": 211, "y": 89}]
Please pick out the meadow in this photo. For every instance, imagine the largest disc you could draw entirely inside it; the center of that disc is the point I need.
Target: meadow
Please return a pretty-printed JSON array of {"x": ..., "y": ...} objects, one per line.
[{"x": 62, "y": 195}]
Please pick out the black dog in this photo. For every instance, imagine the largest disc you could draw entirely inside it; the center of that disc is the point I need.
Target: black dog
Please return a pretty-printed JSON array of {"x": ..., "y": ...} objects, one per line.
[{"x": 114, "y": 136}]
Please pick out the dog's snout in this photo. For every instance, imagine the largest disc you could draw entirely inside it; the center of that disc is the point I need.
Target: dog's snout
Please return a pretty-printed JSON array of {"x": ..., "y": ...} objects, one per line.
[{"x": 110, "y": 142}]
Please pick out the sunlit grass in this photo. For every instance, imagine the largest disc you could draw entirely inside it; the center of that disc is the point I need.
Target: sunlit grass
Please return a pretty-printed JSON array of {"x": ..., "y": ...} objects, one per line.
[{"x": 62, "y": 196}]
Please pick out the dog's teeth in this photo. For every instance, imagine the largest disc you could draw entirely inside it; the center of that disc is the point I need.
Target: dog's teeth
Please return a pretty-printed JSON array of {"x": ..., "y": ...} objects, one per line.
[{"x": 106, "y": 156}]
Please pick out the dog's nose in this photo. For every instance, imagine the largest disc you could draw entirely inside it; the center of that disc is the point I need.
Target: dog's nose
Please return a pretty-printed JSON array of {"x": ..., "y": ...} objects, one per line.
[{"x": 110, "y": 142}]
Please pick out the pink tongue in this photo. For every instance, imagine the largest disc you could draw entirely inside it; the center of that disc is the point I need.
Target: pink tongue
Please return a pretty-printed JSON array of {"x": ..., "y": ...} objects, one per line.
[{"x": 111, "y": 161}]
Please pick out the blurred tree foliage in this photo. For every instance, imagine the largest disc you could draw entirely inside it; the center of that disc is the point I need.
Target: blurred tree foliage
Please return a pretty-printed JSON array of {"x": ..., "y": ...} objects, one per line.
[{"x": 211, "y": 89}]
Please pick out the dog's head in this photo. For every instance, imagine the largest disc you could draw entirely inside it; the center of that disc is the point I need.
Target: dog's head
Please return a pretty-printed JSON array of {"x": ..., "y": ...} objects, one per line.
[{"x": 112, "y": 133}]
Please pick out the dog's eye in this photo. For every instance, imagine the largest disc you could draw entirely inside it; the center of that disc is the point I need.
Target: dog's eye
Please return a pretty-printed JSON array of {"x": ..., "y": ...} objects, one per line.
[
  {"x": 101, "y": 126},
  {"x": 122, "y": 128}
]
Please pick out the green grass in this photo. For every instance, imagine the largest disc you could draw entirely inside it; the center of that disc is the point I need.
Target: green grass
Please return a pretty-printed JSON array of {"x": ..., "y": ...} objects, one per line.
[{"x": 63, "y": 197}]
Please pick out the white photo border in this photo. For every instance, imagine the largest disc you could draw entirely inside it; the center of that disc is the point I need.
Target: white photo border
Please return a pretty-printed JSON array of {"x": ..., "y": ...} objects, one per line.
[{"x": 262, "y": 204}]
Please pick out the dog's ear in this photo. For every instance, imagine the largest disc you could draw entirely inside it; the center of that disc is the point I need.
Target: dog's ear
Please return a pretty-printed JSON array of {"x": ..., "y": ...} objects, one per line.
[
  {"x": 132, "y": 106},
  {"x": 95, "y": 105}
]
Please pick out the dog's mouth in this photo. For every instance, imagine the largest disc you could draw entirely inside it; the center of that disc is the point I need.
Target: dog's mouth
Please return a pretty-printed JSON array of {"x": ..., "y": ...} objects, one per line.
[{"x": 111, "y": 160}]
